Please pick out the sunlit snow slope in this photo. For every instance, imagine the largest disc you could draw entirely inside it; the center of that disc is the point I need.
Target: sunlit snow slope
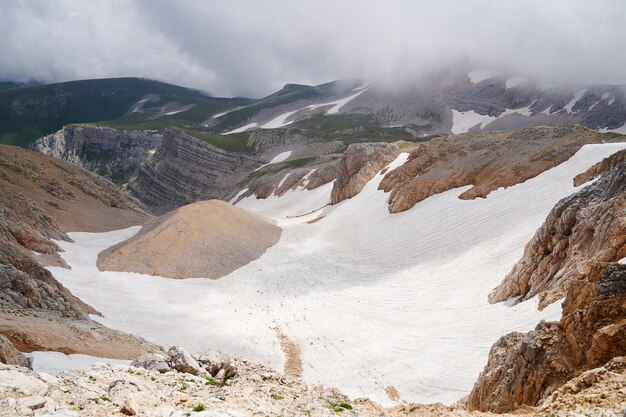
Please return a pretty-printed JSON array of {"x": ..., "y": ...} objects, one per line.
[{"x": 372, "y": 299}]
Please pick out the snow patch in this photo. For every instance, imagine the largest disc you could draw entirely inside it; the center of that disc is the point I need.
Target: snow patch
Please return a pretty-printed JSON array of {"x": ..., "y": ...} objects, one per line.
[
  {"x": 577, "y": 96},
  {"x": 337, "y": 104},
  {"x": 236, "y": 197},
  {"x": 514, "y": 81},
  {"x": 279, "y": 121},
  {"x": 280, "y": 157},
  {"x": 55, "y": 362},
  {"x": 463, "y": 121},
  {"x": 478, "y": 76},
  {"x": 242, "y": 128},
  {"x": 621, "y": 130}
]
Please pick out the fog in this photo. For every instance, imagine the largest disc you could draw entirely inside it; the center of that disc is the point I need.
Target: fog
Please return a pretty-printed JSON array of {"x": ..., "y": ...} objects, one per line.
[{"x": 252, "y": 48}]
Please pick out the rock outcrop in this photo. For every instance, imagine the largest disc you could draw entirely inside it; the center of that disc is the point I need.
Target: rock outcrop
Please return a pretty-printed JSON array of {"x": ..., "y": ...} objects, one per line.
[
  {"x": 359, "y": 165},
  {"x": 276, "y": 179},
  {"x": 484, "y": 160},
  {"x": 42, "y": 198},
  {"x": 11, "y": 356},
  {"x": 206, "y": 239},
  {"x": 185, "y": 169},
  {"x": 586, "y": 227},
  {"x": 573, "y": 253},
  {"x": 115, "y": 154}
]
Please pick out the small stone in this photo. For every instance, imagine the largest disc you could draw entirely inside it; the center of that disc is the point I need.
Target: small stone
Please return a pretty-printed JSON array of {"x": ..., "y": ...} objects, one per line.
[{"x": 34, "y": 402}]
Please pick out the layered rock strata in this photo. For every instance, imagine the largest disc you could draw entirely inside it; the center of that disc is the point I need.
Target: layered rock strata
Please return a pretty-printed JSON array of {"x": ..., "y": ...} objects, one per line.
[
  {"x": 115, "y": 154},
  {"x": 575, "y": 253},
  {"x": 484, "y": 160},
  {"x": 185, "y": 169}
]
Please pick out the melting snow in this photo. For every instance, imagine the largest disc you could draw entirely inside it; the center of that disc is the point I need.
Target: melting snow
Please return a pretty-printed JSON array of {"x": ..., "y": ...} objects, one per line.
[
  {"x": 55, "y": 362},
  {"x": 478, "y": 76},
  {"x": 372, "y": 299},
  {"x": 242, "y": 128},
  {"x": 464, "y": 121},
  {"x": 577, "y": 96},
  {"x": 280, "y": 121},
  {"x": 337, "y": 104},
  {"x": 514, "y": 81}
]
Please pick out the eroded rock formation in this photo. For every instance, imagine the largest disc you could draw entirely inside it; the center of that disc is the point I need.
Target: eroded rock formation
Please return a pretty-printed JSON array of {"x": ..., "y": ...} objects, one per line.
[
  {"x": 359, "y": 165},
  {"x": 115, "y": 154},
  {"x": 185, "y": 169},
  {"x": 573, "y": 253},
  {"x": 484, "y": 160}
]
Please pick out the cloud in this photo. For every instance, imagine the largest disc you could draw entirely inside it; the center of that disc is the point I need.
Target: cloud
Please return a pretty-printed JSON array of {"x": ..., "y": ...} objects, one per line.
[{"x": 251, "y": 48}]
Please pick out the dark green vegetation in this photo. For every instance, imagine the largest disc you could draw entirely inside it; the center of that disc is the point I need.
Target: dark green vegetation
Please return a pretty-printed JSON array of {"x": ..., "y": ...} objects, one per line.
[
  {"x": 28, "y": 113},
  {"x": 349, "y": 128},
  {"x": 236, "y": 142},
  {"x": 198, "y": 408}
]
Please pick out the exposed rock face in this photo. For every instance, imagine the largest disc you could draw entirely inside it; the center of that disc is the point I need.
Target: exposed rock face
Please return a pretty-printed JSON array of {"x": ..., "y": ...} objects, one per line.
[
  {"x": 41, "y": 199},
  {"x": 589, "y": 226},
  {"x": 11, "y": 356},
  {"x": 484, "y": 160},
  {"x": 185, "y": 169},
  {"x": 601, "y": 167},
  {"x": 206, "y": 239},
  {"x": 359, "y": 165},
  {"x": 524, "y": 368},
  {"x": 263, "y": 139},
  {"x": 277, "y": 179},
  {"x": 113, "y": 153}
]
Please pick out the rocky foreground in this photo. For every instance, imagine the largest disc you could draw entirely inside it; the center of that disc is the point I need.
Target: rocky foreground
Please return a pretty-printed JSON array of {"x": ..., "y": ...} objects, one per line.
[{"x": 210, "y": 384}]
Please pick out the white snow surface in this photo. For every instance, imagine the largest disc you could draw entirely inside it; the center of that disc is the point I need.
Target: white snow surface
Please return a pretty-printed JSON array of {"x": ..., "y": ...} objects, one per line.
[
  {"x": 464, "y": 121},
  {"x": 621, "y": 130},
  {"x": 242, "y": 128},
  {"x": 482, "y": 75},
  {"x": 514, "y": 81},
  {"x": 279, "y": 121},
  {"x": 372, "y": 299},
  {"x": 577, "y": 96},
  {"x": 337, "y": 104},
  {"x": 280, "y": 157},
  {"x": 55, "y": 362}
]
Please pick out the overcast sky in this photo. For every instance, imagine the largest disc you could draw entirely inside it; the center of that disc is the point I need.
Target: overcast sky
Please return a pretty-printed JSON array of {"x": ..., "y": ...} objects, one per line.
[{"x": 251, "y": 48}]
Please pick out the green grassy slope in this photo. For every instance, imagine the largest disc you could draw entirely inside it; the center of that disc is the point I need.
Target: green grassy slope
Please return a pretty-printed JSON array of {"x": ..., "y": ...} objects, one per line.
[{"x": 31, "y": 112}]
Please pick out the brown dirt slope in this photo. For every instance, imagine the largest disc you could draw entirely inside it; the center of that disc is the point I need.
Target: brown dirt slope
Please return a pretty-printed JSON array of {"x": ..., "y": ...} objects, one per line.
[
  {"x": 485, "y": 160},
  {"x": 42, "y": 198},
  {"x": 206, "y": 239}
]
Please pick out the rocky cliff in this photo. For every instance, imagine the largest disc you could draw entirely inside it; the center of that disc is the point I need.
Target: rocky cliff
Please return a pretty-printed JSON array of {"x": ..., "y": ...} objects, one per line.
[
  {"x": 575, "y": 254},
  {"x": 359, "y": 165},
  {"x": 42, "y": 198},
  {"x": 185, "y": 169},
  {"x": 113, "y": 153},
  {"x": 484, "y": 160}
]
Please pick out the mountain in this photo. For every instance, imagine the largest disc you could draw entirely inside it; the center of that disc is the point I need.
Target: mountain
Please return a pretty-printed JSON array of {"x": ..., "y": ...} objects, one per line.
[
  {"x": 28, "y": 113},
  {"x": 42, "y": 199}
]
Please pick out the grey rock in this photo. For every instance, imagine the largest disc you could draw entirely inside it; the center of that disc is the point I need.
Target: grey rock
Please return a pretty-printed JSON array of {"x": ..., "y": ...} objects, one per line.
[
  {"x": 182, "y": 361},
  {"x": 185, "y": 169},
  {"x": 113, "y": 153},
  {"x": 152, "y": 362}
]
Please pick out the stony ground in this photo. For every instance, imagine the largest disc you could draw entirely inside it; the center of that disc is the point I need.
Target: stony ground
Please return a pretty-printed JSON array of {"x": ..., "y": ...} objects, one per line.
[{"x": 107, "y": 390}]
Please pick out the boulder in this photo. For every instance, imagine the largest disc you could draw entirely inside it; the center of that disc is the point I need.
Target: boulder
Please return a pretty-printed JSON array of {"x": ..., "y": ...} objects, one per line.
[
  {"x": 182, "y": 361},
  {"x": 152, "y": 362},
  {"x": 10, "y": 355}
]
